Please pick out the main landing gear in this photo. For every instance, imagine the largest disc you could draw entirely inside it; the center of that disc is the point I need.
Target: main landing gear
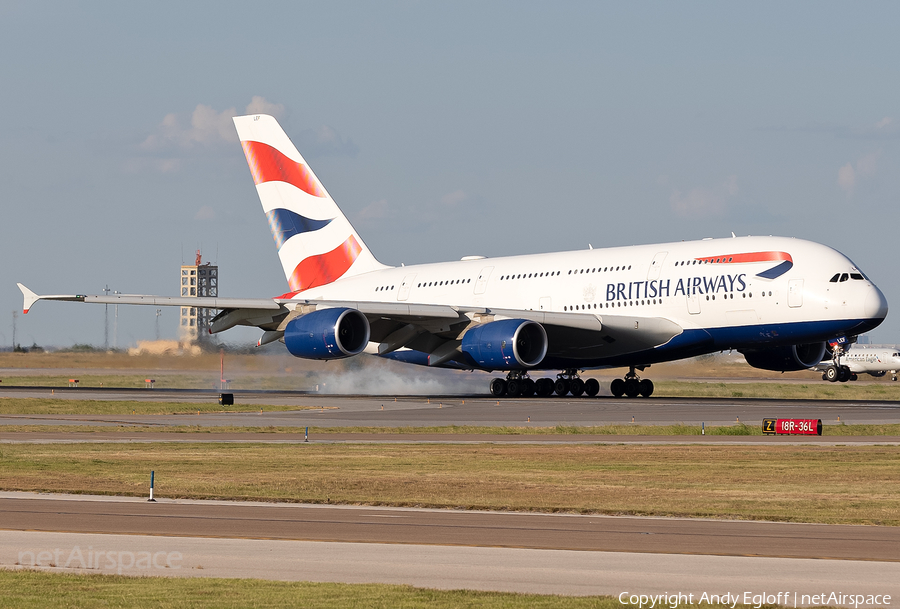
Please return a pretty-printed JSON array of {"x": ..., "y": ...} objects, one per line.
[
  {"x": 517, "y": 384},
  {"x": 631, "y": 386}
]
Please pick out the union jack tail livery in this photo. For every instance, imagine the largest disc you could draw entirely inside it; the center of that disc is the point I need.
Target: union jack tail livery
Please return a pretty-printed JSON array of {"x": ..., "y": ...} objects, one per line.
[{"x": 315, "y": 241}]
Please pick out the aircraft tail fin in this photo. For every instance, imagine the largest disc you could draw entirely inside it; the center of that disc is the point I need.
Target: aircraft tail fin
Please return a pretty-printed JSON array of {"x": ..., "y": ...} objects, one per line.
[{"x": 315, "y": 241}]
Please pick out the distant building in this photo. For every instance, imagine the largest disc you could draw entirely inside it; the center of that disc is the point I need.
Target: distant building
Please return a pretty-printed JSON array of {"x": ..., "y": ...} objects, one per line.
[{"x": 197, "y": 280}]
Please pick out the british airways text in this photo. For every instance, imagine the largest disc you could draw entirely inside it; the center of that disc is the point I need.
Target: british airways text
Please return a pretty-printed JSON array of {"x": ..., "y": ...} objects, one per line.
[{"x": 660, "y": 288}]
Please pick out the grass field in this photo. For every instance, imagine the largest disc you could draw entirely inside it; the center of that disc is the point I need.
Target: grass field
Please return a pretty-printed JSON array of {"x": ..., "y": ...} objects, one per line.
[
  {"x": 39, "y": 590},
  {"x": 843, "y": 484},
  {"x": 62, "y": 406}
]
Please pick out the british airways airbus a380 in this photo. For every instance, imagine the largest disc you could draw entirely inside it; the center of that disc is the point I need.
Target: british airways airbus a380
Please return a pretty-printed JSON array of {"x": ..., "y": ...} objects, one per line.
[{"x": 771, "y": 298}]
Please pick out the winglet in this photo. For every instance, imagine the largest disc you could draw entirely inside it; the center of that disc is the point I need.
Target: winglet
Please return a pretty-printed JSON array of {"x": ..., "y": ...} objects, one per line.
[{"x": 30, "y": 298}]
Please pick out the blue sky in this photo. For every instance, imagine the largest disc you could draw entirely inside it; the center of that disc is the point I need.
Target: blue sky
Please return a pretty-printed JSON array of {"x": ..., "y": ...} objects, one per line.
[{"x": 442, "y": 130}]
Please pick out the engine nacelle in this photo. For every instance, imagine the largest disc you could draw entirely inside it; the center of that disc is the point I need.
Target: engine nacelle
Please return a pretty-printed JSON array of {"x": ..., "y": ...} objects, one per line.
[
  {"x": 786, "y": 359},
  {"x": 327, "y": 334},
  {"x": 510, "y": 344}
]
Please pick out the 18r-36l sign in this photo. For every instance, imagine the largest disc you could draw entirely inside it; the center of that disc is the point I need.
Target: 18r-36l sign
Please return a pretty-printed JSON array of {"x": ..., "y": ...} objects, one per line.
[{"x": 804, "y": 427}]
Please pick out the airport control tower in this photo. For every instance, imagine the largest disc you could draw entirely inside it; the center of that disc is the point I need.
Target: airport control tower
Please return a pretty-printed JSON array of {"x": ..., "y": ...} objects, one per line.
[{"x": 197, "y": 280}]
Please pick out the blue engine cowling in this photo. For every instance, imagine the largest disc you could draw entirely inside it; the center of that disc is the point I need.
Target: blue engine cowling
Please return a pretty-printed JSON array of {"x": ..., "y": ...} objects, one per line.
[
  {"x": 327, "y": 334},
  {"x": 510, "y": 344},
  {"x": 789, "y": 358}
]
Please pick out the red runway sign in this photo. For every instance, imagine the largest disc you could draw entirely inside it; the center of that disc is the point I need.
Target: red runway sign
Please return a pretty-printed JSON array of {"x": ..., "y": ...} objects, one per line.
[{"x": 806, "y": 427}]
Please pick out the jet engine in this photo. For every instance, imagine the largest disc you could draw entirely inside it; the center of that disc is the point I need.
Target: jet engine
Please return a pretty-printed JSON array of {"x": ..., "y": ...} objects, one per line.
[
  {"x": 510, "y": 344},
  {"x": 327, "y": 334},
  {"x": 788, "y": 358}
]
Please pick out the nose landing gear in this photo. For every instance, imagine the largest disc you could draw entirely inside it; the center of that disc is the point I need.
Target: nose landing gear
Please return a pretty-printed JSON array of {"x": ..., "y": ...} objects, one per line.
[{"x": 631, "y": 386}]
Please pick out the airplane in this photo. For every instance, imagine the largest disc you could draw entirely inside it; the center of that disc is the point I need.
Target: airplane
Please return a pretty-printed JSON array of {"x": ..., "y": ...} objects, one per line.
[
  {"x": 857, "y": 360},
  {"x": 777, "y": 300}
]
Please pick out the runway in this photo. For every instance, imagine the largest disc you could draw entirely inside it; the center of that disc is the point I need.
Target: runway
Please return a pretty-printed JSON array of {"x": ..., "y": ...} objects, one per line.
[
  {"x": 384, "y": 411},
  {"x": 561, "y": 554}
]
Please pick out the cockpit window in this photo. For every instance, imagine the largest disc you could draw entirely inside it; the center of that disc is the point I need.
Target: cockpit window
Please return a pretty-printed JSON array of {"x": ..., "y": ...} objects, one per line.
[
  {"x": 857, "y": 276},
  {"x": 844, "y": 277},
  {"x": 895, "y": 354},
  {"x": 835, "y": 278}
]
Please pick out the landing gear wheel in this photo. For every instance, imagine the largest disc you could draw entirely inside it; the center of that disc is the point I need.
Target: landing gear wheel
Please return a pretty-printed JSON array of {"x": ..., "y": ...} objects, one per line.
[
  {"x": 576, "y": 387},
  {"x": 543, "y": 387},
  {"x": 527, "y": 388},
  {"x": 844, "y": 374},
  {"x": 498, "y": 388},
  {"x": 646, "y": 388},
  {"x": 831, "y": 374},
  {"x": 894, "y": 378},
  {"x": 853, "y": 376},
  {"x": 617, "y": 387},
  {"x": 561, "y": 387},
  {"x": 592, "y": 387},
  {"x": 513, "y": 388},
  {"x": 632, "y": 388}
]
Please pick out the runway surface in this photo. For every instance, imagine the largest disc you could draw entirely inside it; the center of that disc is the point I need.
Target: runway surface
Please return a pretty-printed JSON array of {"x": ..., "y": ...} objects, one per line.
[
  {"x": 43, "y": 437},
  {"x": 368, "y": 411},
  {"x": 559, "y": 554},
  {"x": 30, "y": 512}
]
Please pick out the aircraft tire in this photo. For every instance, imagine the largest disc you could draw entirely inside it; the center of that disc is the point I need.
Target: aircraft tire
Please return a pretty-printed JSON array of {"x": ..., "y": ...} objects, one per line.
[
  {"x": 854, "y": 376},
  {"x": 498, "y": 388},
  {"x": 831, "y": 374},
  {"x": 844, "y": 374},
  {"x": 632, "y": 388},
  {"x": 646, "y": 388},
  {"x": 543, "y": 387},
  {"x": 561, "y": 387},
  {"x": 527, "y": 388},
  {"x": 514, "y": 388},
  {"x": 617, "y": 387},
  {"x": 576, "y": 387},
  {"x": 592, "y": 387}
]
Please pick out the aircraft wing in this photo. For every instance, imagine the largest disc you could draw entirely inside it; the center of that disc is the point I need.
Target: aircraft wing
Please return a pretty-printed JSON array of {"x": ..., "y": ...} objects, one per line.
[
  {"x": 268, "y": 304},
  {"x": 429, "y": 328}
]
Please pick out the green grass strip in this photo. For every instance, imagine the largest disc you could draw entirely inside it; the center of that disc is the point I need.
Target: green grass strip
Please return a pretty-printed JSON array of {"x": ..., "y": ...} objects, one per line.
[{"x": 794, "y": 483}]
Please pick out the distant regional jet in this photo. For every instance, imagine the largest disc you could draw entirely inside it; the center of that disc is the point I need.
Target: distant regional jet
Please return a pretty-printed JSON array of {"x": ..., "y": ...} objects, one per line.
[
  {"x": 859, "y": 359},
  {"x": 774, "y": 299}
]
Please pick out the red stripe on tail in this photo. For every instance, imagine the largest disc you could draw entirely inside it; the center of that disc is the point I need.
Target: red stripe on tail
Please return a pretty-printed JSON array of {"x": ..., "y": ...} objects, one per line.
[
  {"x": 268, "y": 165},
  {"x": 325, "y": 268}
]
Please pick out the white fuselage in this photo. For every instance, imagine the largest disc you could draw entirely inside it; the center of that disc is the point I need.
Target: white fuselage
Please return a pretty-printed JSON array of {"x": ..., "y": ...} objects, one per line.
[{"x": 718, "y": 288}]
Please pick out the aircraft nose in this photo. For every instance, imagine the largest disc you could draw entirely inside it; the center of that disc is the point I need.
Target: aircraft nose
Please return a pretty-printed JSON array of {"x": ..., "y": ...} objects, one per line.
[{"x": 876, "y": 305}]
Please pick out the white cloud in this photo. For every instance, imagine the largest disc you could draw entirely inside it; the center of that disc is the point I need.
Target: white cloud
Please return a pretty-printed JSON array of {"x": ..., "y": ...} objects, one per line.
[
  {"x": 847, "y": 177},
  {"x": 259, "y": 105},
  {"x": 206, "y": 127},
  {"x": 325, "y": 141},
  {"x": 205, "y": 213},
  {"x": 704, "y": 201},
  {"x": 376, "y": 210},
  {"x": 849, "y": 174},
  {"x": 453, "y": 199},
  {"x": 884, "y": 122}
]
